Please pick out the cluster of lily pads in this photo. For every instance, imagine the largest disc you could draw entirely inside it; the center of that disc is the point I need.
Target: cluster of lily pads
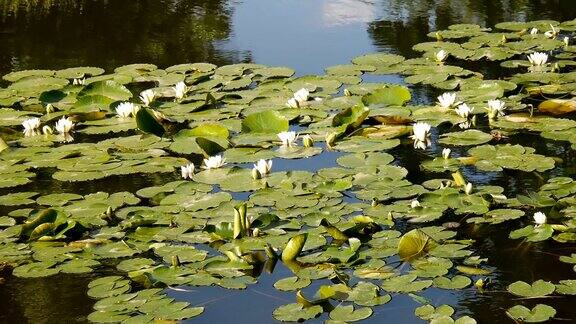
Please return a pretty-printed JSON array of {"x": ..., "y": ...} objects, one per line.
[{"x": 219, "y": 129}]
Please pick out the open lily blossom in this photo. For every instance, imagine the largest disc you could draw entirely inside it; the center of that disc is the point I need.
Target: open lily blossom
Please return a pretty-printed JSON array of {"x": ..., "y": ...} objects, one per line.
[
  {"x": 302, "y": 95},
  {"x": 288, "y": 138},
  {"x": 64, "y": 125},
  {"x": 539, "y": 218},
  {"x": 495, "y": 108},
  {"x": 293, "y": 103},
  {"x": 147, "y": 96},
  {"x": 126, "y": 109},
  {"x": 187, "y": 171},
  {"x": 78, "y": 81},
  {"x": 538, "y": 58},
  {"x": 447, "y": 100},
  {"x": 263, "y": 166},
  {"x": 446, "y": 153},
  {"x": 30, "y": 126},
  {"x": 421, "y": 135},
  {"x": 214, "y": 162},
  {"x": 464, "y": 110},
  {"x": 180, "y": 90},
  {"x": 441, "y": 56}
]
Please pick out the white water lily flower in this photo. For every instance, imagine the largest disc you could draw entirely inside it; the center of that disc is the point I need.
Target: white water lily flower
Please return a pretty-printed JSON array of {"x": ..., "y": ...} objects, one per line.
[
  {"x": 64, "y": 125},
  {"x": 126, "y": 109},
  {"x": 421, "y": 135},
  {"x": 539, "y": 218},
  {"x": 446, "y": 153},
  {"x": 30, "y": 126},
  {"x": 538, "y": 58},
  {"x": 468, "y": 188},
  {"x": 78, "y": 81},
  {"x": 465, "y": 125},
  {"x": 180, "y": 90},
  {"x": 288, "y": 138},
  {"x": 534, "y": 31},
  {"x": 566, "y": 41},
  {"x": 187, "y": 171},
  {"x": 552, "y": 33},
  {"x": 415, "y": 203},
  {"x": 440, "y": 56},
  {"x": 147, "y": 96},
  {"x": 464, "y": 110},
  {"x": 293, "y": 103},
  {"x": 263, "y": 166},
  {"x": 495, "y": 108},
  {"x": 302, "y": 95},
  {"x": 214, "y": 162},
  {"x": 447, "y": 100}
]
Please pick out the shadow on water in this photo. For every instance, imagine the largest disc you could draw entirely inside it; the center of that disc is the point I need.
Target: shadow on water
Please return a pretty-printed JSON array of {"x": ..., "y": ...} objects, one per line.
[{"x": 307, "y": 35}]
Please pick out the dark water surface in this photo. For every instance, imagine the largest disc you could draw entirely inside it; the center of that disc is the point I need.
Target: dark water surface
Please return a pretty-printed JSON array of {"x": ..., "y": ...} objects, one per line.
[{"x": 307, "y": 35}]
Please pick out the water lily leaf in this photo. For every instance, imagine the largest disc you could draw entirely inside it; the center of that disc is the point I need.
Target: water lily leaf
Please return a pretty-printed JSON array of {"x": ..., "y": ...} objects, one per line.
[
  {"x": 3, "y": 145},
  {"x": 291, "y": 283},
  {"x": 349, "y": 314},
  {"x": 148, "y": 124},
  {"x": 557, "y": 106},
  {"x": 392, "y": 95},
  {"x": 296, "y": 312},
  {"x": 351, "y": 117},
  {"x": 467, "y": 137},
  {"x": 414, "y": 244},
  {"x": 539, "y": 288},
  {"x": 540, "y": 313},
  {"x": 294, "y": 247},
  {"x": 405, "y": 283},
  {"x": 456, "y": 282},
  {"x": 472, "y": 270},
  {"x": 269, "y": 121},
  {"x": 109, "y": 89},
  {"x": 566, "y": 287},
  {"x": 429, "y": 312},
  {"x": 36, "y": 269}
]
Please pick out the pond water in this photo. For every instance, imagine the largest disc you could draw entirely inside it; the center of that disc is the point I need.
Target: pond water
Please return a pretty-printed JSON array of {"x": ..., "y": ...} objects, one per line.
[{"x": 307, "y": 36}]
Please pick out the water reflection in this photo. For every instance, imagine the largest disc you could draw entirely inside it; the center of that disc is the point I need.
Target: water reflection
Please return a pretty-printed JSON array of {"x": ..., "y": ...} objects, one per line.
[{"x": 57, "y": 34}]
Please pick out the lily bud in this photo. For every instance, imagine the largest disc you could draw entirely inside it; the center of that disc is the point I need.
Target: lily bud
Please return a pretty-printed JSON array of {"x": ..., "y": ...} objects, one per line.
[
  {"x": 415, "y": 204},
  {"x": 468, "y": 188},
  {"x": 256, "y": 175},
  {"x": 566, "y": 41},
  {"x": 175, "y": 261},
  {"x": 49, "y": 108},
  {"x": 47, "y": 130},
  {"x": 439, "y": 37},
  {"x": 256, "y": 232},
  {"x": 504, "y": 39},
  {"x": 446, "y": 153},
  {"x": 347, "y": 93},
  {"x": 331, "y": 139},
  {"x": 307, "y": 141},
  {"x": 374, "y": 202}
]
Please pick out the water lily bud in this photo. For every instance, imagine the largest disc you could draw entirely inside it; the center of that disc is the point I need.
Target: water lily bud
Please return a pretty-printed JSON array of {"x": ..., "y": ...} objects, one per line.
[
  {"x": 415, "y": 204},
  {"x": 256, "y": 175},
  {"x": 555, "y": 67},
  {"x": 534, "y": 31},
  {"x": 307, "y": 141},
  {"x": 566, "y": 41},
  {"x": 47, "y": 130},
  {"x": 374, "y": 202},
  {"x": 504, "y": 39},
  {"x": 347, "y": 93},
  {"x": 175, "y": 261},
  {"x": 255, "y": 232},
  {"x": 468, "y": 188},
  {"x": 331, "y": 139},
  {"x": 480, "y": 284},
  {"x": 50, "y": 108},
  {"x": 446, "y": 153},
  {"x": 439, "y": 37},
  {"x": 109, "y": 211}
]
